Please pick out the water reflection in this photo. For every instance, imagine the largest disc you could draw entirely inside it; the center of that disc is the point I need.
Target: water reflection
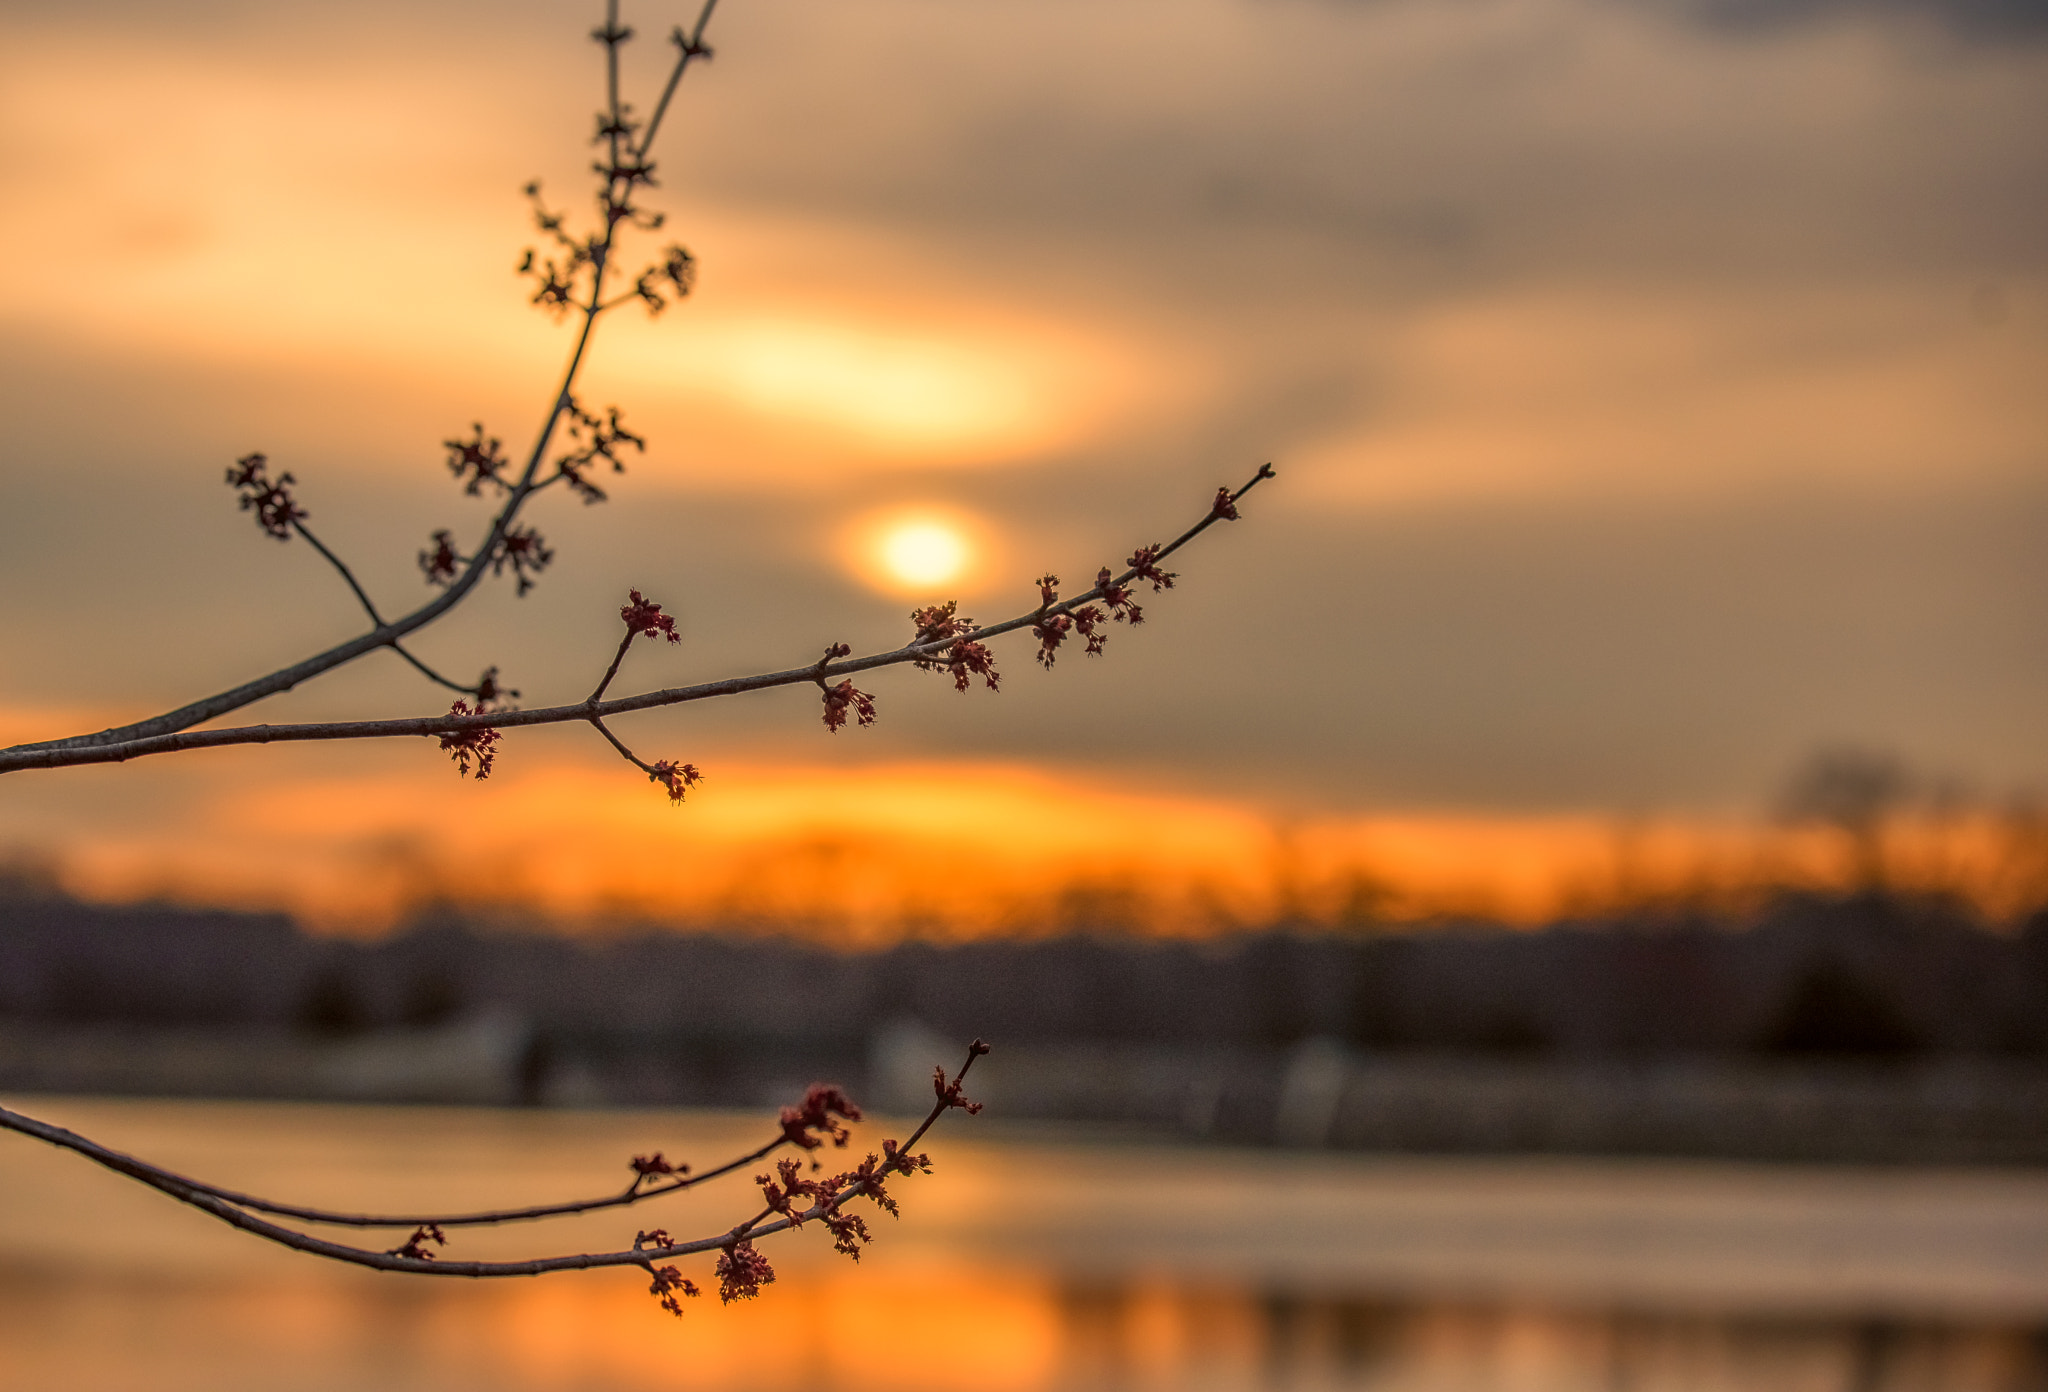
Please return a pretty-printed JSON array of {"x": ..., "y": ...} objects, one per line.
[
  {"x": 1118, "y": 1338},
  {"x": 951, "y": 1330},
  {"x": 1115, "y": 1268}
]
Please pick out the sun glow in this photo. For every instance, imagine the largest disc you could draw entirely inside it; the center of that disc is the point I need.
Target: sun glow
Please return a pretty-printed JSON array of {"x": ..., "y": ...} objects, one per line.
[
  {"x": 923, "y": 553},
  {"x": 919, "y": 550},
  {"x": 804, "y": 849}
]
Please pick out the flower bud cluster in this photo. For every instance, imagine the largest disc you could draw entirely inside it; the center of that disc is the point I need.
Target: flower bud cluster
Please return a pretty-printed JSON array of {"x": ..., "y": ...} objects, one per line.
[{"x": 270, "y": 499}]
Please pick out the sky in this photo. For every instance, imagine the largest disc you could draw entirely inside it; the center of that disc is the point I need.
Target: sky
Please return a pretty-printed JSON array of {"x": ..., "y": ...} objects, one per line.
[{"x": 1655, "y": 390}]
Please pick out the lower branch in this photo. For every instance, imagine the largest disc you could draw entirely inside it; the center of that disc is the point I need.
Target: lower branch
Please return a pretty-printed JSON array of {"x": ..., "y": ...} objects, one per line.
[{"x": 816, "y": 1115}]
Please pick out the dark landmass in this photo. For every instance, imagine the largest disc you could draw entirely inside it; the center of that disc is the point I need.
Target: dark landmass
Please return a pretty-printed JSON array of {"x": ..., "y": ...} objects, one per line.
[{"x": 1865, "y": 1027}]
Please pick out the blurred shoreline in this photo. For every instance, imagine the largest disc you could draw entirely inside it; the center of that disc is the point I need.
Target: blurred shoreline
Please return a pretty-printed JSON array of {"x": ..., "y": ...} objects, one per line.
[
  {"x": 1867, "y": 1028},
  {"x": 1318, "y": 1096}
]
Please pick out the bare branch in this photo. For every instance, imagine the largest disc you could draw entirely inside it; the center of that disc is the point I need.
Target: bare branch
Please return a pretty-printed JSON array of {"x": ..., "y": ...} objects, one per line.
[
  {"x": 67, "y": 756},
  {"x": 637, "y": 1192},
  {"x": 628, "y": 755},
  {"x": 240, "y": 1210},
  {"x": 611, "y": 671},
  {"x": 299, "y": 526},
  {"x": 689, "y": 46},
  {"x": 433, "y": 676},
  {"x": 386, "y": 633},
  {"x": 355, "y": 588}
]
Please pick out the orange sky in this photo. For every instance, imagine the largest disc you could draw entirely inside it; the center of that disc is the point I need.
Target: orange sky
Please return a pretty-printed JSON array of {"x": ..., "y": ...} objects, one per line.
[
  {"x": 1656, "y": 394},
  {"x": 861, "y": 853}
]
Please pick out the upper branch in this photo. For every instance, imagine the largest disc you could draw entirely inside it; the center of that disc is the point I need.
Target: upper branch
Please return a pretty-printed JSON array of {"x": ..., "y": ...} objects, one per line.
[
  {"x": 64, "y": 755},
  {"x": 690, "y": 45},
  {"x": 386, "y": 633}
]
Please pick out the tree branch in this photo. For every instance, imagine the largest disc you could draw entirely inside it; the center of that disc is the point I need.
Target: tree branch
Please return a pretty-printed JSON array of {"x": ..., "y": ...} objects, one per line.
[
  {"x": 370, "y": 608},
  {"x": 691, "y": 45},
  {"x": 431, "y": 675},
  {"x": 240, "y": 1210},
  {"x": 346, "y": 574},
  {"x": 636, "y": 1192},
  {"x": 61, "y": 755},
  {"x": 611, "y": 671},
  {"x": 386, "y": 633}
]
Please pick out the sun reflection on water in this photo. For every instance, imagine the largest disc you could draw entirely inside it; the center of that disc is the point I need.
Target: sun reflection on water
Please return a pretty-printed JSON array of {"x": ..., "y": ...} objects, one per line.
[
  {"x": 949, "y": 1330},
  {"x": 1028, "y": 1266}
]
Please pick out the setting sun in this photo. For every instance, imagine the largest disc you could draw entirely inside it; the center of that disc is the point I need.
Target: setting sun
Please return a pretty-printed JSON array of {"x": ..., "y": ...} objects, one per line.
[
  {"x": 923, "y": 552},
  {"x": 919, "y": 549}
]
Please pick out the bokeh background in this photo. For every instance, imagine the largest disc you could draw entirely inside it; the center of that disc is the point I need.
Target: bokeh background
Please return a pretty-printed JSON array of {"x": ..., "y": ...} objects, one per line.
[{"x": 1656, "y": 393}]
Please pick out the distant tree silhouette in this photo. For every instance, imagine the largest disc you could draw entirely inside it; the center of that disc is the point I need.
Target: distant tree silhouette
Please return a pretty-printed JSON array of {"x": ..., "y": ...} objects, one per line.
[
  {"x": 334, "y": 1003},
  {"x": 434, "y": 998},
  {"x": 1833, "y": 1010},
  {"x": 1857, "y": 792}
]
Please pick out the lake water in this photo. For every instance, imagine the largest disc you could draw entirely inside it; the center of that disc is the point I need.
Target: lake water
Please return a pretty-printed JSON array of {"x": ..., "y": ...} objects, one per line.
[{"x": 1028, "y": 1262}]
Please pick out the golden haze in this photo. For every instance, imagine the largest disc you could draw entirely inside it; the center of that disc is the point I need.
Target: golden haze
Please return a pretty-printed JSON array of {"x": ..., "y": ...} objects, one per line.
[{"x": 866, "y": 854}]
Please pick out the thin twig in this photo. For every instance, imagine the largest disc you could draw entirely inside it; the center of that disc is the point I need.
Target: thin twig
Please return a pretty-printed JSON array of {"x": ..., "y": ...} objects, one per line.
[
  {"x": 346, "y": 574},
  {"x": 370, "y": 608},
  {"x": 613, "y": 670},
  {"x": 612, "y": 39},
  {"x": 691, "y": 46},
  {"x": 628, "y": 755},
  {"x": 430, "y": 674}
]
